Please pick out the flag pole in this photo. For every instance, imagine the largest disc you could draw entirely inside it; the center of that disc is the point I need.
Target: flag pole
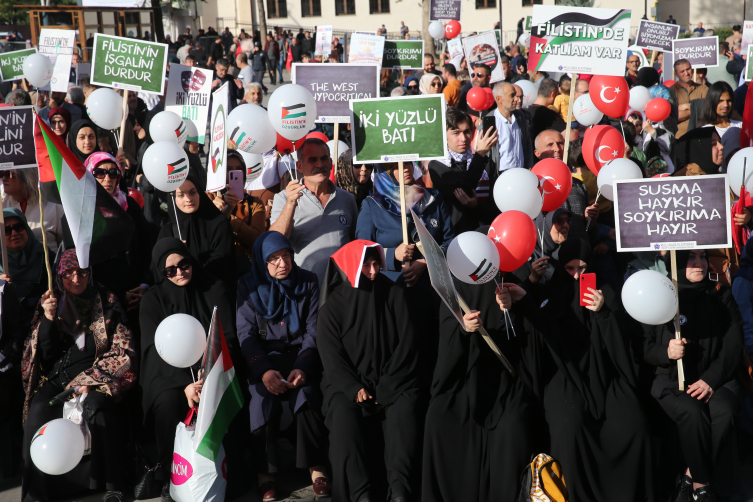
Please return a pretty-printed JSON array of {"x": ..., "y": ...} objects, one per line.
[
  {"x": 123, "y": 120},
  {"x": 44, "y": 239}
]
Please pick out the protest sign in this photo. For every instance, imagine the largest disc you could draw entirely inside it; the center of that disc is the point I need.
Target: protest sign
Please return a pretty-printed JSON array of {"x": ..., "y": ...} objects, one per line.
[
  {"x": 58, "y": 45},
  {"x": 125, "y": 63},
  {"x": 17, "y": 137},
  {"x": 701, "y": 52},
  {"x": 323, "y": 45},
  {"x": 455, "y": 50},
  {"x": 483, "y": 49},
  {"x": 528, "y": 24},
  {"x": 439, "y": 272},
  {"x": 403, "y": 55},
  {"x": 83, "y": 70},
  {"x": 366, "y": 32},
  {"x": 673, "y": 213},
  {"x": 579, "y": 39},
  {"x": 12, "y": 64},
  {"x": 656, "y": 36},
  {"x": 366, "y": 49},
  {"x": 637, "y": 51},
  {"x": 748, "y": 66},
  {"x": 334, "y": 85},
  {"x": 497, "y": 35},
  {"x": 398, "y": 129},
  {"x": 444, "y": 10},
  {"x": 217, "y": 170},
  {"x": 747, "y": 37},
  {"x": 188, "y": 94}
]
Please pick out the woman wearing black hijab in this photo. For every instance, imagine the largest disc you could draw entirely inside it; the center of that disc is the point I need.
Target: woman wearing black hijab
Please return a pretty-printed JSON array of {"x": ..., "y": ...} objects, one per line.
[
  {"x": 194, "y": 219},
  {"x": 481, "y": 425},
  {"x": 153, "y": 197},
  {"x": 182, "y": 287},
  {"x": 82, "y": 139},
  {"x": 710, "y": 349},
  {"x": 699, "y": 151},
  {"x": 598, "y": 430},
  {"x": 553, "y": 229},
  {"x": 371, "y": 379}
]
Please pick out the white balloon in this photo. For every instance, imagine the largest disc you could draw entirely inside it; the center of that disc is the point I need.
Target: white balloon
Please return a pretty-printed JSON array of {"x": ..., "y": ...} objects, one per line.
[
  {"x": 180, "y": 340},
  {"x": 38, "y": 70},
  {"x": 737, "y": 164},
  {"x": 585, "y": 112},
  {"x": 192, "y": 133},
  {"x": 341, "y": 147},
  {"x": 250, "y": 129},
  {"x": 616, "y": 170},
  {"x": 473, "y": 258},
  {"x": 639, "y": 98},
  {"x": 518, "y": 188},
  {"x": 436, "y": 30},
  {"x": 529, "y": 92},
  {"x": 649, "y": 297},
  {"x": 525, "y": 40},
  {"x": 57, "y": 447},
  {"x": 254, "y": 166},
  {"x": 105, "y": 108},
  {"x": 166, "y": 166},
  {"x": 292, "y": 111},
  {"x": 168, "y": 126}
]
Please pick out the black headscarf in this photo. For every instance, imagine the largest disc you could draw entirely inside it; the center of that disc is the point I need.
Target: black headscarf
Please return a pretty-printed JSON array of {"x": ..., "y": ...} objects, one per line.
[
  {"x": 695, "y": 147},
  {"x": 687, "y": 290},
  {"x": 548, "y": 247},
  {"x": 77, "y": 126},
  {"x": 26, "y": 266},
  {"x": 648, "y": 77}
]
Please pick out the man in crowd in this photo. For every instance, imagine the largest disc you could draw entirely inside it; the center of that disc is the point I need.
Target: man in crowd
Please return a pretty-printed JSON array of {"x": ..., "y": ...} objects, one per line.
[
  {"x": 317, "y": 217},
  {"x": 297, "y": 50},
  {"x": 227, "y": 39},
  {"x": 686, "y": 92},
  {"x": 504, "y": 63},
  {"x": 549, "y": 144},
  {"x": 543, "y": 117},
  {"x": 631, "y": 75},
  {"x": 260, "y": 63},
  {"x": 671, "y": 20},
  {"x": 536, "y": 76},
  {"x": 429, "y": 67},
  {"x": 235, "y": 86},
  {"x": 272, "y": 48},
  {"x": 246, "y": 73},
  {"x": 403, "y": 29},
  {"x": 516, "y": 56},
  {"x": 480, "y": 77},
  {"x": 737, "y": 35},
  {"x": 254, "y": 94},
  {"x": 308, "y": 43},
  {"x": 699, "y": 29},
  {"x": 514, "y": 144},
  {"x": 452, "y": 89}
]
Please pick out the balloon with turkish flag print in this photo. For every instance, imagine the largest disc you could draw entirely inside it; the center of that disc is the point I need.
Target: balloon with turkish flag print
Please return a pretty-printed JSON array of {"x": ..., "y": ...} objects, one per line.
[
  {"x": 451, "y": 30},
  {"x": 658, "y": 109},
  {"x": 602, "y": 144},
  {"x": 611, "y": 95},
  {"x": 556, "y": 182},
  {"x": 286, "y": 147},
  {"x": 514, "y": 235}
]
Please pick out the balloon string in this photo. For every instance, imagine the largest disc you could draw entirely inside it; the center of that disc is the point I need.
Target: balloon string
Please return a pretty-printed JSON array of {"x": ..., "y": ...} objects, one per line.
[
  {"x": 507, "y": 316},
  {"x": 192, "y": 377},
  {"x": 177, "y": 222},
  {"x": 588, "y": 223},
  {"x": 506, "y": 328}
]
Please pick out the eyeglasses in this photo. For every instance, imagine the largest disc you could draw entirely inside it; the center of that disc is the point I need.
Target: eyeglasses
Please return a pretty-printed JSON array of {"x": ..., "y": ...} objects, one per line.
[
  {"x": 171, "y": 271},
  {"x": 18, "y": 227},
  {"x": 100, "y": 173},
  {"x": 81, "y": 272},
  {"x": 634, "y": 62},
  {"x": 7, "y": 174},
  {"x": 412, "y": 87},
  {"x": 278, "y": 261},
  {"x": 563, "y": 221},
  {"x": 436, "y": 84},
  {"x": 479, "y": 75}
]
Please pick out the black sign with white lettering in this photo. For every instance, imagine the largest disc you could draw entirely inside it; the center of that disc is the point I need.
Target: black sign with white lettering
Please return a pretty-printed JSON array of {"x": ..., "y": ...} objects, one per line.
[
  {"x": 17, "y": 137},
  {"x": 673, "y": 213}
]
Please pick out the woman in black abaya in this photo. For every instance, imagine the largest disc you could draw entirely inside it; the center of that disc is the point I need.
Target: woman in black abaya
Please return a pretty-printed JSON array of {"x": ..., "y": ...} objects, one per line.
[
  {"x": 371, "y": 379},
  {"x": 481, "y": 423},
  {"x": 598, "y": 430},
  {"x": 552, "y": 229}
]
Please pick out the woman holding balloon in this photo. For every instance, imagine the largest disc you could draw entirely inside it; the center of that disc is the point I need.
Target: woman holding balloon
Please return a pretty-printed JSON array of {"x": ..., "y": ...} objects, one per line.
[
  {"x": 553, "y": 229},
  {"x": 80, "y": 341}
]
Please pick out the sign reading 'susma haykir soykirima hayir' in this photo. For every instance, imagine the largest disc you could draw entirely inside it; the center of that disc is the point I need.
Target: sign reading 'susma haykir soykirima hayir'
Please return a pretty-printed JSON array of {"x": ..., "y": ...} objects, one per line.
[
  {"x": 579, "y": 39},
  {"x": 398, "y": 129},
  {"x": 334, "y": 85},
  {"x": 672, "y": 213},
  {"x": 125, "y": 63}
]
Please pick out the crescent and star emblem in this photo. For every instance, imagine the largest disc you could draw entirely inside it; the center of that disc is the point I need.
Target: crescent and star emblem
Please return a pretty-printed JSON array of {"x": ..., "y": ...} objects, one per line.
[
  {"x": 616, "y": 92},
  {"x": 598, "y": 154}
]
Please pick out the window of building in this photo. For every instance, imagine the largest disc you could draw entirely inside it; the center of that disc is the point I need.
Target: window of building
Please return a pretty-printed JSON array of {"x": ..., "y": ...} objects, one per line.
[
  {"x": 379, "y": 6},
  {"x": 277, "y": 8},
  {"x": 529, "y": 3},
  {"x": 486, "y": 4},
  {"x": 345, "y": 7},
  {"x": 311, "y": 8}
]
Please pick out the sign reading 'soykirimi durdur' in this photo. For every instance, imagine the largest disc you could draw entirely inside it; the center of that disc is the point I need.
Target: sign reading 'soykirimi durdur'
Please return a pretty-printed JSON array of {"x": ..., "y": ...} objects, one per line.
[
  {"x": 403, "y": 55},
  {"x": 656, "y": 36},
  {"x": 579, "y": 39},
  {"x": 188, "y": 94},
  {"x": 673, "y": 213},
  {"x": 333, "y": 85},
  {"x": 17, "y": 137},
  {"x": 12, "y": 64},
  {"x": 398, "y": 129},
  {"x": 445, "y": 10},
  {"x": 700, "y": 52},
  {"x": 439, "y": 272},
  {"x": 125, "y": 63}
]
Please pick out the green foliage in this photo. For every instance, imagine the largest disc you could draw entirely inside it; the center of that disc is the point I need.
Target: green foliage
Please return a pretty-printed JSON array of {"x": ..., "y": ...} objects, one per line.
[{"x": 9, "y": 15}]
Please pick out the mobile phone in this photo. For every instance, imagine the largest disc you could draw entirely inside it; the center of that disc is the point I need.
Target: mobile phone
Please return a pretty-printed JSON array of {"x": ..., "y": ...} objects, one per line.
[
  {"x": 488, "y": 122},
  {"x": 236, "y": 183},
  {"x": 586, "y": 281}
]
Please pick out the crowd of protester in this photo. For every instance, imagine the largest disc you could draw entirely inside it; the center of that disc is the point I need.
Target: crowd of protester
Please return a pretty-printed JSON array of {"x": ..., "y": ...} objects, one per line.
[{"x": 330, "y": 317}]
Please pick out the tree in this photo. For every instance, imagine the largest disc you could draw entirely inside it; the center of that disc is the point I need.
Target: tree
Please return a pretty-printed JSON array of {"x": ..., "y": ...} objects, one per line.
[
  {"x": 577, "y": 3},
  {"x": 9, "y": 15},
  {"x": 262, "y": 23},
  {"x": 428, "y": 41}
]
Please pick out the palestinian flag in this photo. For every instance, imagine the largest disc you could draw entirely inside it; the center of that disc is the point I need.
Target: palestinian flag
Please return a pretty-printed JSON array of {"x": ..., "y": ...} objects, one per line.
[
  {"x": 294, "y": 111},
  {"x": 221, "y": 396},
  {"x": 178, "y": 166},
  {"x": 99, "y": 227},
  {"x": 480, "y": 271}
]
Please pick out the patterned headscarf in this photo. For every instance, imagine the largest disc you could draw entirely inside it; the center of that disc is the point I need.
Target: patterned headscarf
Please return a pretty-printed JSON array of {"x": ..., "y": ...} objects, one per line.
[
  {"x": 93, "y": 160},
  {"x": 347, "y": 180}
]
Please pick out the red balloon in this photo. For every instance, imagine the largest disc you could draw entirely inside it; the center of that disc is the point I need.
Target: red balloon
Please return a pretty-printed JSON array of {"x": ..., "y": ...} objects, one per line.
[
  {"x": 490, "y": 96},
  {"x": 136, "y": 195},
  {"x": 556, "y": 182},
  {"x": 601, "y": 144},
  {"x": 669, "y": 83},
  {"x": 317, "y": 135},
  {"x": 662, "y": 175},
  {"x": 611, "y": 95},
  {"x": 514, "y": 235},
  {"x": 477, "y": 99},
  {"x": 658, "y": 109},
  {"x": 451, "y": 29},
  {"x": 285, "y": 146}
]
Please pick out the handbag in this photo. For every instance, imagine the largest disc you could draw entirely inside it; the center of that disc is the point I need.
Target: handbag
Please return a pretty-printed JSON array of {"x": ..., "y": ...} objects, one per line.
[{"x": 147, "y": 486}]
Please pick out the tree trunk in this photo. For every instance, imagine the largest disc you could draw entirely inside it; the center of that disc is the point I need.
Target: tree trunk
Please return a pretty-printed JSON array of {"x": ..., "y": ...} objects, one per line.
[
  {"x": 428, "y": 41},
  {"x": 262, "y": 22}
]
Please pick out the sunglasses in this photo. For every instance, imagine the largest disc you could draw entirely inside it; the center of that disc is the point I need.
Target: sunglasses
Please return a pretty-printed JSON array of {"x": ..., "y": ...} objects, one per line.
[
  {"x": 184, "y": 266},
  {"x": 436, "y": 84},
  {"x": 480, "y": 75},
  {"x": 18, "y": 227},
  {"x": 100, "y": 173},
  {"x": 7, "y": 174},
  {"x": 412, "y": 87},
  {"x": 563, "y": 221}
]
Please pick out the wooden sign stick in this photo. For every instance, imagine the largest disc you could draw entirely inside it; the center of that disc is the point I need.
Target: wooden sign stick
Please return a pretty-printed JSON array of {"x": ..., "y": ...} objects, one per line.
[
  {"x": 573, "y": 84},
  {"x": 125, "y": 117},
  {"x": 403, "y": 220},
  {"x": 695, "y": 75},
  {"x": 653, "y": 58},
  {"x": 488, "y": 340},
  {"x": 678, "y": 336},
  {"x": 335, "y": 144}
]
